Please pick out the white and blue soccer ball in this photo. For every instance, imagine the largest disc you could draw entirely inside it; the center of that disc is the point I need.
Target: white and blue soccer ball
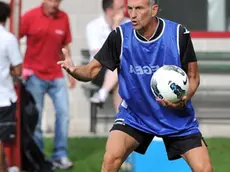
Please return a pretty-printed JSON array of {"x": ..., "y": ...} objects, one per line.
[{"x": 169, "y": 82}]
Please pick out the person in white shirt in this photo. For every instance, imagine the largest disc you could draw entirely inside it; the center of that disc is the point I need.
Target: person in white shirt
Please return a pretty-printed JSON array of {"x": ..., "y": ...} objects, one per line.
[
  {"x": 10, "y": 64},
  {"x": 96, "y": 33}
]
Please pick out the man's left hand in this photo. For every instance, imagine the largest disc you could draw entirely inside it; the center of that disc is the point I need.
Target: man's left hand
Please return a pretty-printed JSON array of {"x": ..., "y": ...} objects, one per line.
[{"x": 177, "y": 105}]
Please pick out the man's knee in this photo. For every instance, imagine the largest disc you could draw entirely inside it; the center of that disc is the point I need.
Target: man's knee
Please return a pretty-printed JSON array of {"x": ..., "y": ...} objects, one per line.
[
  {"x": 203, "y": 168},
  {"x": 62, "y": 107},
  {"x": 112, "y": 160}
]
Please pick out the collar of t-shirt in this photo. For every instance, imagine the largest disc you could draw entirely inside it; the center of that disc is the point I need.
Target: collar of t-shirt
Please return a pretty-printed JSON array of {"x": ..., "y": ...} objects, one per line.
[
  {"x": 156, "y": 34},
  {"x": 57, "y": 15}
]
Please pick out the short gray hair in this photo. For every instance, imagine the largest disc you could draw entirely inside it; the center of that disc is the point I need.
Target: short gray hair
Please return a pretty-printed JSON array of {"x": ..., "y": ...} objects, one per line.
[{"x": 152, "y": 2}]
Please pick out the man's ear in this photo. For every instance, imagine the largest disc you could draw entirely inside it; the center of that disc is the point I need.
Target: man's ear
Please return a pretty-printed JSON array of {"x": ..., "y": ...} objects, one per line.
[{"x": 155, "y": 10}]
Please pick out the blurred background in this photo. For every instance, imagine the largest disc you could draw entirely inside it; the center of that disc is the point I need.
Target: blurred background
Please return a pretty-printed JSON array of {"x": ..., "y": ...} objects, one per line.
[{"x": 209, "y": 24}]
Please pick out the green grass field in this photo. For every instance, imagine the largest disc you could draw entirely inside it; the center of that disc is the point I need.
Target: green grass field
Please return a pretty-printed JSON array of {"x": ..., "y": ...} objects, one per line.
[{"x": 87, "y": 153}]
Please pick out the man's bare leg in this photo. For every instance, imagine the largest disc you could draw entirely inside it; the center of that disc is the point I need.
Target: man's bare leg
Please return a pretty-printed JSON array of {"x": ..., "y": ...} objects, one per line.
[
  {"x": 110, "y": 81},
  {"x": 198, "y": 159},
  {"x": 119, "y": 146}
]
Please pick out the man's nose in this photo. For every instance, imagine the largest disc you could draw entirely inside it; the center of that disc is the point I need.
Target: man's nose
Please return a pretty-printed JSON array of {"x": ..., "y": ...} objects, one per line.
[{"x": 133, "y": 14}]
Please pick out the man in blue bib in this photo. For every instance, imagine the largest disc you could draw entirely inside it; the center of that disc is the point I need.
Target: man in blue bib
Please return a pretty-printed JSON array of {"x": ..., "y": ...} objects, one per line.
[{"x": 137, "y": 49}]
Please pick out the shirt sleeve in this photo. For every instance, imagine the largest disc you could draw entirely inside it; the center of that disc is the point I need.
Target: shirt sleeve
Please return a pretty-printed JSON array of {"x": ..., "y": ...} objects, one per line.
[
  {"x": 68, "y": 35},
  {"x": 109, "y": 54},
  {"x": 13, "y": 51},
  {"x": 187, "y": 53}
]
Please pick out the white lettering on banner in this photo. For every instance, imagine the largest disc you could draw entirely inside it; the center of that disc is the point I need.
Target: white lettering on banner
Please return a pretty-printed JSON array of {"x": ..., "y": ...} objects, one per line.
[{"x": 140, "y": 70}]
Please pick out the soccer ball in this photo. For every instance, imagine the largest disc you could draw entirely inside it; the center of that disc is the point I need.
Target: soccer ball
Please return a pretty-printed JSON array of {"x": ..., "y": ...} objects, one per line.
[{"x": 169, "y": 82}]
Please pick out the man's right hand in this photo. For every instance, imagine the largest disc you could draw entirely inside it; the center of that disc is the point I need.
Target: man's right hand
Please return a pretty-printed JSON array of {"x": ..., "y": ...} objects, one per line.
[
  {"x": 67, "y": 63},
  {"x": 83, "y": 73}
]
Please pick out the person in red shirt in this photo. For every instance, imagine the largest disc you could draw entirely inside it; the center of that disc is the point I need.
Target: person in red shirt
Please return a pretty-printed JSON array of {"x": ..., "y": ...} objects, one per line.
[{"x": 47, "y": 31}]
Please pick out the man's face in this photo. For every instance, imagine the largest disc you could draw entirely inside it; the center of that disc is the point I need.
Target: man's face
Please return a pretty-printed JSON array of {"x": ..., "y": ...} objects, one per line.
[
  {"x": 51, "y": 6},
  {"x": 141, "y": 13},
  {"x": 116, "y": 13},
  {"x": 118, "y": 6}
]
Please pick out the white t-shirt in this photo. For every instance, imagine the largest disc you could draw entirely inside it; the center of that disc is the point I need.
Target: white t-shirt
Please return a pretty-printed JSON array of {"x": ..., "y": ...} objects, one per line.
[
  {"x": 9, "y": 56},
  {"x": 97, "y": 32}
]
